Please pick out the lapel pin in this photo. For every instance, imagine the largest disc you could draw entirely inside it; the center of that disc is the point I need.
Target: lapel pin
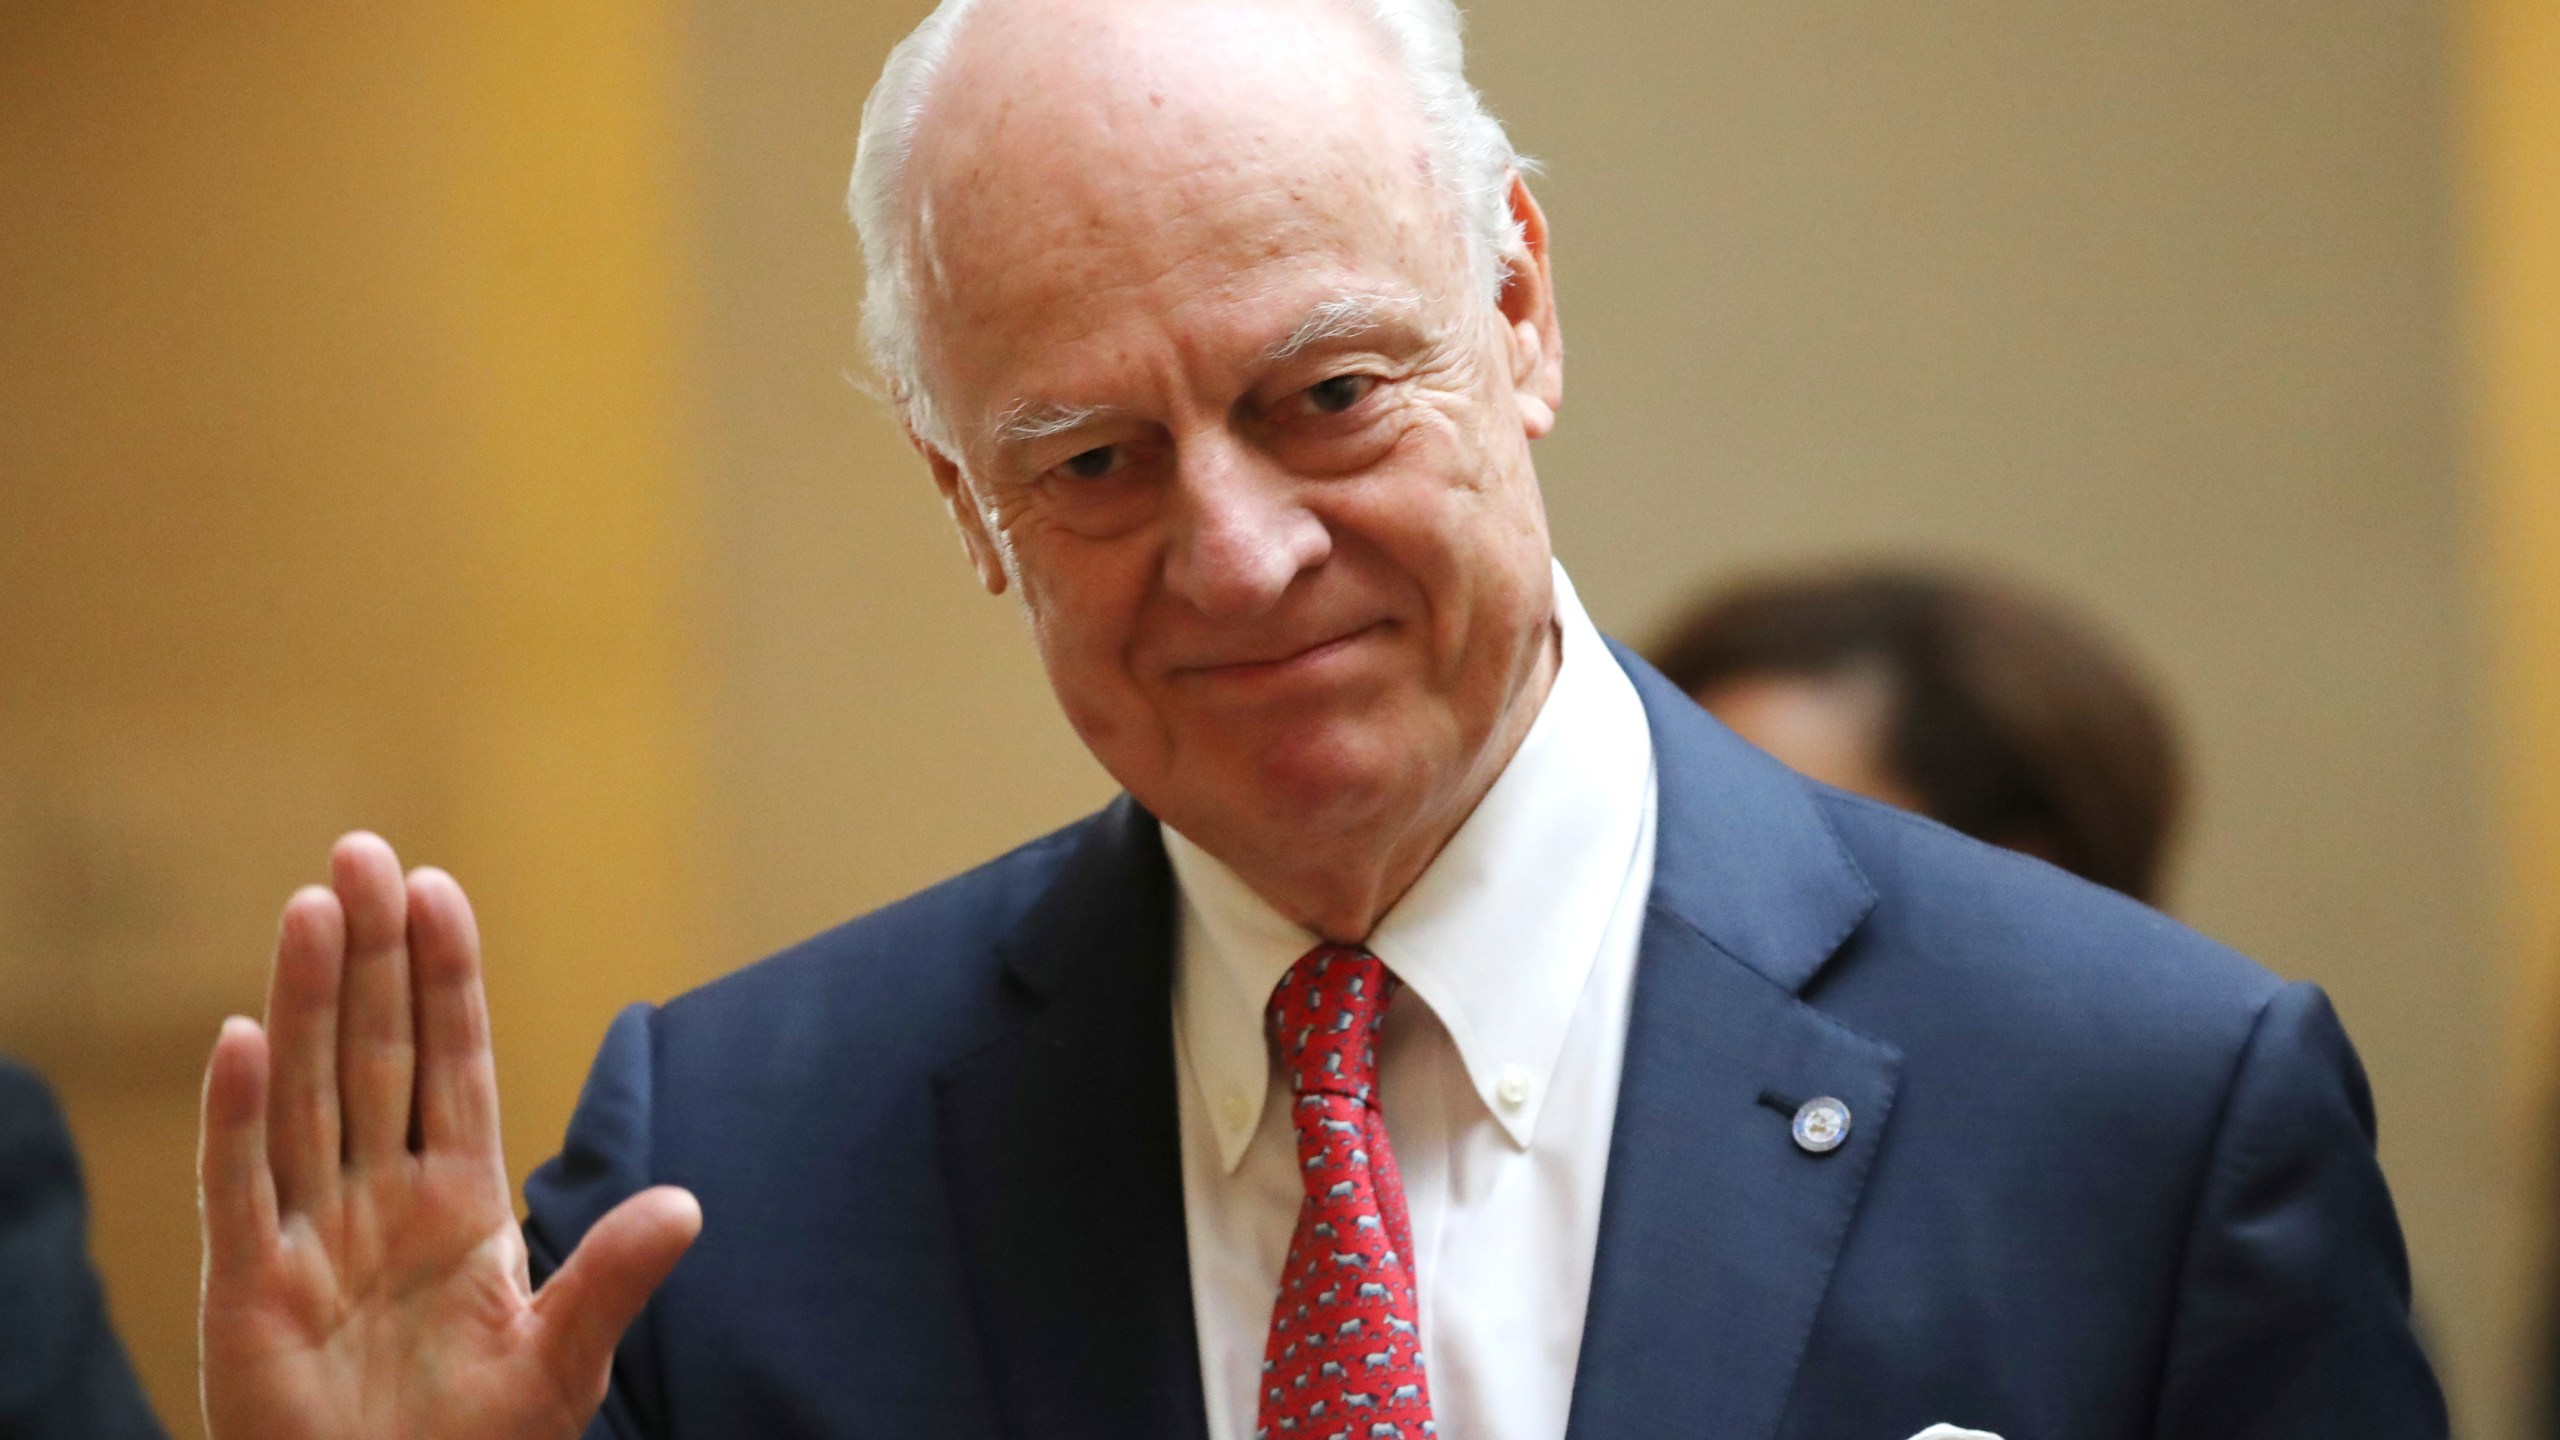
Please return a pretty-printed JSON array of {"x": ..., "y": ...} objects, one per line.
[{"x": 1822, "y": 1123}]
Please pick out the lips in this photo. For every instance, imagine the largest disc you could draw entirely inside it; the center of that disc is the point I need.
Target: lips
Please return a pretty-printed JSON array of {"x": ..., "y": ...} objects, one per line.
[{"x": 1278, "y": 661}]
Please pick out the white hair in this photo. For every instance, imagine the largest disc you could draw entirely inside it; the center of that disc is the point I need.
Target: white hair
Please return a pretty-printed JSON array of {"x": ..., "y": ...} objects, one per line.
[{"x": 1471, "y": 161}]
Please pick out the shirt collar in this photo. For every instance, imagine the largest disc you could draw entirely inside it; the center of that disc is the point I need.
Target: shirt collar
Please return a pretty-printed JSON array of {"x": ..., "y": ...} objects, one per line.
[{"x": 1497, "y": 936}]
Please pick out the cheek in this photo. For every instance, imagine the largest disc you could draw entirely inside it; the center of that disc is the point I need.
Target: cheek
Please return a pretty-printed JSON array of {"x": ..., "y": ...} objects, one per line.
[
  {"x": 1469, "y": 515},
  {"x": 1085, "y": 600},
  {"x": 1435, "y": 476}
]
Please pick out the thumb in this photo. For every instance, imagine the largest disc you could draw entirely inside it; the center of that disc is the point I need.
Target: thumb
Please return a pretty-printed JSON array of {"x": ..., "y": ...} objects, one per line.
[{"x": 581, "y": 1314}]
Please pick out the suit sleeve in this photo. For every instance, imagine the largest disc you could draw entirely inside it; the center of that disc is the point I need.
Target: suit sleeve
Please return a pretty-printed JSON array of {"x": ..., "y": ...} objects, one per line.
[
  {"x": 2293, "y": 1311},
  {"x": 604, "y": 1160},
  {"x": 63, "y": 1373}
]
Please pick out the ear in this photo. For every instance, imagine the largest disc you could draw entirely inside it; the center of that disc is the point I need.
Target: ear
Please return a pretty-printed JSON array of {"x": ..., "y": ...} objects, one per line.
[
  {"x": 1528, "y": 304},
  {"x": 958, "y": 501}
]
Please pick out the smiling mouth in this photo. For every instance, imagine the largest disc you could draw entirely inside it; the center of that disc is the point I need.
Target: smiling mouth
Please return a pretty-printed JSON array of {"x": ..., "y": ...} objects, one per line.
[{"x": 1296, "y": 661}]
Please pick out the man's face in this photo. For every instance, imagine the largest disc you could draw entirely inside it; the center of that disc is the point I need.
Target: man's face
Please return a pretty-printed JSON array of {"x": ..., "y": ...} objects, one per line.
[{"x": 1222, "y": 399}]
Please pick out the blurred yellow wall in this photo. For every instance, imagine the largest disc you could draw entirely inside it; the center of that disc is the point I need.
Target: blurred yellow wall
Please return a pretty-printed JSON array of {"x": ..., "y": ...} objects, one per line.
[
  {"x": 2515, "y": 207},
  {"x": 2513, "y": 164},
  {"x": 345, "y": 483}
]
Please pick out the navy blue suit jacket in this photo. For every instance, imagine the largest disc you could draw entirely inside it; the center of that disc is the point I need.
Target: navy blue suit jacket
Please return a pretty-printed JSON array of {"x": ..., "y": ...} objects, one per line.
[
  {"x": 2104, "y": 1179},
  {"x": 63, "y": 1372}
]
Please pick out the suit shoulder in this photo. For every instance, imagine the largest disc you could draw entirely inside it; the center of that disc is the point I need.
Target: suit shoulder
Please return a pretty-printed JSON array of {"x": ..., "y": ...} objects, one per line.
[
  {"x": 22, "y": 1091},
  {"x": 35, "y": 1142},
  {"x": 2030, "y": 943},
  {"x": 894, "y": 967},
  {"x": 2034, "y": 1006}
]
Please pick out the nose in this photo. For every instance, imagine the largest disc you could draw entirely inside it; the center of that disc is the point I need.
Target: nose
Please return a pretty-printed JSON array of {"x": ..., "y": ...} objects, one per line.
[{"x": 1242, "y": 531}]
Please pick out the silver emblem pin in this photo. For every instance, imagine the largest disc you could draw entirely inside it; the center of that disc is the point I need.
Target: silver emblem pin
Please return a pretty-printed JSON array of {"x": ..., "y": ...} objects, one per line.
[{"x": 1822, "y": 1123}]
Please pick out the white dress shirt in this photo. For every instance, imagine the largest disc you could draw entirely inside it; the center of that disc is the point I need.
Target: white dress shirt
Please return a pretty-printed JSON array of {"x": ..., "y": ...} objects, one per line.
[{"x": 1497, "y": 1067}]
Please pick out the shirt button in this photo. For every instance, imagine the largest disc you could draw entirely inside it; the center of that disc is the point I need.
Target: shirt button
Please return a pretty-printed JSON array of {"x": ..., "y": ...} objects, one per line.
[
  {"x": 1233, "y": 1112},
  {"x": 1513, "y": 1088}
]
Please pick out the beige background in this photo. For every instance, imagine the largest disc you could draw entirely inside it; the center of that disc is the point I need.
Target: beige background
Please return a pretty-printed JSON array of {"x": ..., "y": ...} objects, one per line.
[{"x": 441, "y": 420}]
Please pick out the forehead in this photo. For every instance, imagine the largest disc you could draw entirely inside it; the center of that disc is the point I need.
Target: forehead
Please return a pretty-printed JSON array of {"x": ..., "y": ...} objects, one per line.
[{"x": 1093, "y": 179}]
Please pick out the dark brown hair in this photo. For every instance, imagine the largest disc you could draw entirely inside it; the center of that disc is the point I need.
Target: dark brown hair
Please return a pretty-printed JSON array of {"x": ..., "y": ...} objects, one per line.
[{"x": 2013, "y": 720}]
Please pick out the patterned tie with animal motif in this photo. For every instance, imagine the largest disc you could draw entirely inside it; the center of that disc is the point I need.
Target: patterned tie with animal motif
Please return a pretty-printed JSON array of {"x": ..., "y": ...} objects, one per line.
[{"x": 1344, "y": 1360}]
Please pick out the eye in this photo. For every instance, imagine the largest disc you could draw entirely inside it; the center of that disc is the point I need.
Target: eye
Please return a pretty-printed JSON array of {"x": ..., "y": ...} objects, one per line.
[
  {"x": 1093, "y": 464},
  {"x": 1340, "y": 393}
]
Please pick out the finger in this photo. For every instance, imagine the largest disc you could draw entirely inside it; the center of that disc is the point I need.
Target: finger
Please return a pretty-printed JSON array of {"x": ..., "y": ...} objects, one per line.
[
  {"x": 585, "y": 1308},
  {"x": 377, "y": 1051},
  {"x": 302, "y": 1046},
  {"x": 457, "y": 1079},
  {"x": 235, "y": 1191}
]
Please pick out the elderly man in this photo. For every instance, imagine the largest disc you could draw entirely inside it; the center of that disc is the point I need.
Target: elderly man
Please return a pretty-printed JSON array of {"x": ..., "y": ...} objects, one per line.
[{"x": 1451, "y": 1032}]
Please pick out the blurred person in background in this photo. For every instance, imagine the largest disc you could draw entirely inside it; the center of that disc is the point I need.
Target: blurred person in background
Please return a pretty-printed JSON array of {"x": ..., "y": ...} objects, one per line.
[
  {"x": 1986, "y": 708},
  {"x": 63, "y": 1372}
]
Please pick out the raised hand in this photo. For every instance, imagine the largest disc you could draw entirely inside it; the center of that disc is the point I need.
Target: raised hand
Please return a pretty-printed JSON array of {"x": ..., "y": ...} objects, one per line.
[{"x": 363, "y": 1274}]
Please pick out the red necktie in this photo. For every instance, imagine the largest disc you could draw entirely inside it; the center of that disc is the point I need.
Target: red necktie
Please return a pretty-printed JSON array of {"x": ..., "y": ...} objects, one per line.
[{"x": 1345, "y": 1355}]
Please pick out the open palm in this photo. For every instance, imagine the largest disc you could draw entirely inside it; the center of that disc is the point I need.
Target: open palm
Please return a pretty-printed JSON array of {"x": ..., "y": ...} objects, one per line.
[{"x": 364, "y": 1274}]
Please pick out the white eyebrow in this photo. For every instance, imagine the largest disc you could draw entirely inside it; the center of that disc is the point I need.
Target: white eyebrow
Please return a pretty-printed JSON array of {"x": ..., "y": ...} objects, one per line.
[
  {"x": 1341, "y": 318},
  {"x": 1028, "y": 421}
]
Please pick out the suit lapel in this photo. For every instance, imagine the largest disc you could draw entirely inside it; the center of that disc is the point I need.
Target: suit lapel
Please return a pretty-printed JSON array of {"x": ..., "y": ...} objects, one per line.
[
  {"x": 1061, "y": 1149},
  {"x": 1718, "y": 1233}
]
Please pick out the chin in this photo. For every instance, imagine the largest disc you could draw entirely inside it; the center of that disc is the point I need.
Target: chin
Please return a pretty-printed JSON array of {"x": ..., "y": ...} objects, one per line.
[{"x": 1332, "y": 779}]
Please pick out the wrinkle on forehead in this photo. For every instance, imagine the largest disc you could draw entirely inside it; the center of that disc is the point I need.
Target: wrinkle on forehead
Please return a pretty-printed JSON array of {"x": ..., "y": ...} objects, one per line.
[
  {"x": 1099, "y": 181},
  {"x": 1058, "y": 121}
]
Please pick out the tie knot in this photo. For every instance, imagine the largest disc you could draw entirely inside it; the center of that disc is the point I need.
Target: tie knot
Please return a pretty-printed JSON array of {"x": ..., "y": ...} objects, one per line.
[{"x": 1324, "y": 1020}]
